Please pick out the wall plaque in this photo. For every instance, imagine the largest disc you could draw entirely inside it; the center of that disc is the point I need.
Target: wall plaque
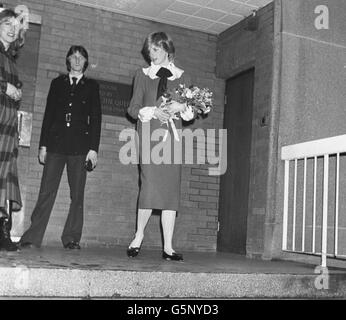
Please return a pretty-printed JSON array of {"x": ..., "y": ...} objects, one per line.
[
  {"x": 24, "y": 128},
  {"x": 115, "y": 97}
]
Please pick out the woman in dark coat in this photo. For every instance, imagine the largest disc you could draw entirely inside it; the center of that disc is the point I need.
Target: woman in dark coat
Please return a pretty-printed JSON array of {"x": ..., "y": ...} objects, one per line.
[
  {"x": 160, "y": 182},
  {"x": 10, "y": 94}
]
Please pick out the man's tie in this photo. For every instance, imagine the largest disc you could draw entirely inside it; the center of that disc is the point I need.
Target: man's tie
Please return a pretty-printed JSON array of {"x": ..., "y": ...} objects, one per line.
[
  {"x": 74, "y": 83},
  {"x": 163, "y": 74}
]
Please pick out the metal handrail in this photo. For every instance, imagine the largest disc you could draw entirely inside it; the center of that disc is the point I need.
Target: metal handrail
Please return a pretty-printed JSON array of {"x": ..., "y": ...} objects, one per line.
[{"x": 302, "y": 152}]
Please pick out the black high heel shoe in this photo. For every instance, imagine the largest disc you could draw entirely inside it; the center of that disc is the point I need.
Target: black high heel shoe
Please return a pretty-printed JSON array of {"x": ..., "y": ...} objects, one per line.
[
  {"x": 173, "y": 257},
  {"x": 133, "y": 252}
]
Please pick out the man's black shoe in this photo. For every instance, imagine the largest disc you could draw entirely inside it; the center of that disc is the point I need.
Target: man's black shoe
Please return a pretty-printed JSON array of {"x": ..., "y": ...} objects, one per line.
[
  {"x": 26, "y": 245},
  {"x": 72, "y": 245}
]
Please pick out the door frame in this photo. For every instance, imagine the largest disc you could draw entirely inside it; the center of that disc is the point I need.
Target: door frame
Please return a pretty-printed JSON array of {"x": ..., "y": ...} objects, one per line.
[{"x": 220, "y": 246}]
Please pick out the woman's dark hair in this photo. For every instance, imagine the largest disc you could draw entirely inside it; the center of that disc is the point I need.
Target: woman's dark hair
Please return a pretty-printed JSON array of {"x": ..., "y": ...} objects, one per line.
[
  {"x": 82, "y": 51},
  {"x": 19, "y": 42},
  {"x": 160, "y": 39}
]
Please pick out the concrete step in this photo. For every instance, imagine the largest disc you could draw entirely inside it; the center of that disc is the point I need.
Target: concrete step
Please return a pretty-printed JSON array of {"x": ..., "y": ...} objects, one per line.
[
  {"x": 72, "y": 283},
  {"x": 108, "y": 273}
]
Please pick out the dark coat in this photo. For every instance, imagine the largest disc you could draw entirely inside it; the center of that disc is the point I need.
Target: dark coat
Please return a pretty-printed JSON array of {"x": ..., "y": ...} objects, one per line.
[
  {"x": 9, "y": 186},
  {"x": 82, "y": 132},
  {"x": 160, "y": 183}
]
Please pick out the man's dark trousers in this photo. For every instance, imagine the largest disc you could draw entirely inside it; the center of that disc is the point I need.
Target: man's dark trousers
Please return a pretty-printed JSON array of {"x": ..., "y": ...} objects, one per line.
[{"x": 52, "y": 172}]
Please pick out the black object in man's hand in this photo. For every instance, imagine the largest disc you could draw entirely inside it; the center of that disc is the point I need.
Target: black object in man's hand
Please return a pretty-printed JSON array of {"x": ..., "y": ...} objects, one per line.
[{"x": 89, "y": 165}]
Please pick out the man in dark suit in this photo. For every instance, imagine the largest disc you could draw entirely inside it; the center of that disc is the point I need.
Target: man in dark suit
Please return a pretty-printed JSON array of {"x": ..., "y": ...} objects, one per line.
[{"x": 70, "y": 136}]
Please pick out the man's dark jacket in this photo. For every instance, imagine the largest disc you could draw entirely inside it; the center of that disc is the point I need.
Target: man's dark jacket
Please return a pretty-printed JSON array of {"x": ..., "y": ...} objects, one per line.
[{"x": 72, "y": 119}]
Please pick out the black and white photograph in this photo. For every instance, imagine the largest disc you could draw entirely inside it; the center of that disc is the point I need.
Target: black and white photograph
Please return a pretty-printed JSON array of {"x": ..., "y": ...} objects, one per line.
[{"x": 173, "y": 156}]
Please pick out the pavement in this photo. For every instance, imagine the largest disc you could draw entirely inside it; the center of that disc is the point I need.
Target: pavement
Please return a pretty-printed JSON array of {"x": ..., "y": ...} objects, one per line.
[{"x": 108, "y": 273}]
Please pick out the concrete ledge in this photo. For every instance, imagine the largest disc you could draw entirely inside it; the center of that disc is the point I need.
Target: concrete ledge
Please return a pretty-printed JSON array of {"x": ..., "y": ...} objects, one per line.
[{"x": 75, "y": 283}]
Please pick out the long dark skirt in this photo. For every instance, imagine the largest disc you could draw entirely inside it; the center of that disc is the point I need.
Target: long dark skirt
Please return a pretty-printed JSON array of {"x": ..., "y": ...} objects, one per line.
[{"x": 159, "y": 183}]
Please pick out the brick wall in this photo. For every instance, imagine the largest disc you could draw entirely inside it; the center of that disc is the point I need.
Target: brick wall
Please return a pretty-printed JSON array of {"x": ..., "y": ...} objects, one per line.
[
  {"x": 240, "y": 49},
  {"x": 27, "y": 66},
  {"x": 114, "y": 42}
]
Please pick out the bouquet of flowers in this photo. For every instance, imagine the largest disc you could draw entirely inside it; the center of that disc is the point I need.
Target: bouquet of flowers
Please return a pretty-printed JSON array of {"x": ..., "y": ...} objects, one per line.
[{"x": 198, "y": 101}]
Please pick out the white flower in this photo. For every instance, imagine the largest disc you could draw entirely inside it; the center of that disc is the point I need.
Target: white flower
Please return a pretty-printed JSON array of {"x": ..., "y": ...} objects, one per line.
[
  {"x": 207, "y": 110},
  {"x": 188, "y": 94}
]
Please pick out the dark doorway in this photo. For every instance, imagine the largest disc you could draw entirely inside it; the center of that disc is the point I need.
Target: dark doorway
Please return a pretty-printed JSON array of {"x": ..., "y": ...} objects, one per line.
[{"x": 234, "y": 187}]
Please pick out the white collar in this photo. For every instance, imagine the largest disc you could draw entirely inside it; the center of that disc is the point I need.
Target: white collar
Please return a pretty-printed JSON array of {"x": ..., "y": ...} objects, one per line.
[
  {"x": 152, "y": 70},
  {"x": 78, "y": 77}
]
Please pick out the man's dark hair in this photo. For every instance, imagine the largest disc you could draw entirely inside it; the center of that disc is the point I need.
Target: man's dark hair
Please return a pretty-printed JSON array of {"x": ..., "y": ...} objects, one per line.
[{"x": 82, "y": 51}]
